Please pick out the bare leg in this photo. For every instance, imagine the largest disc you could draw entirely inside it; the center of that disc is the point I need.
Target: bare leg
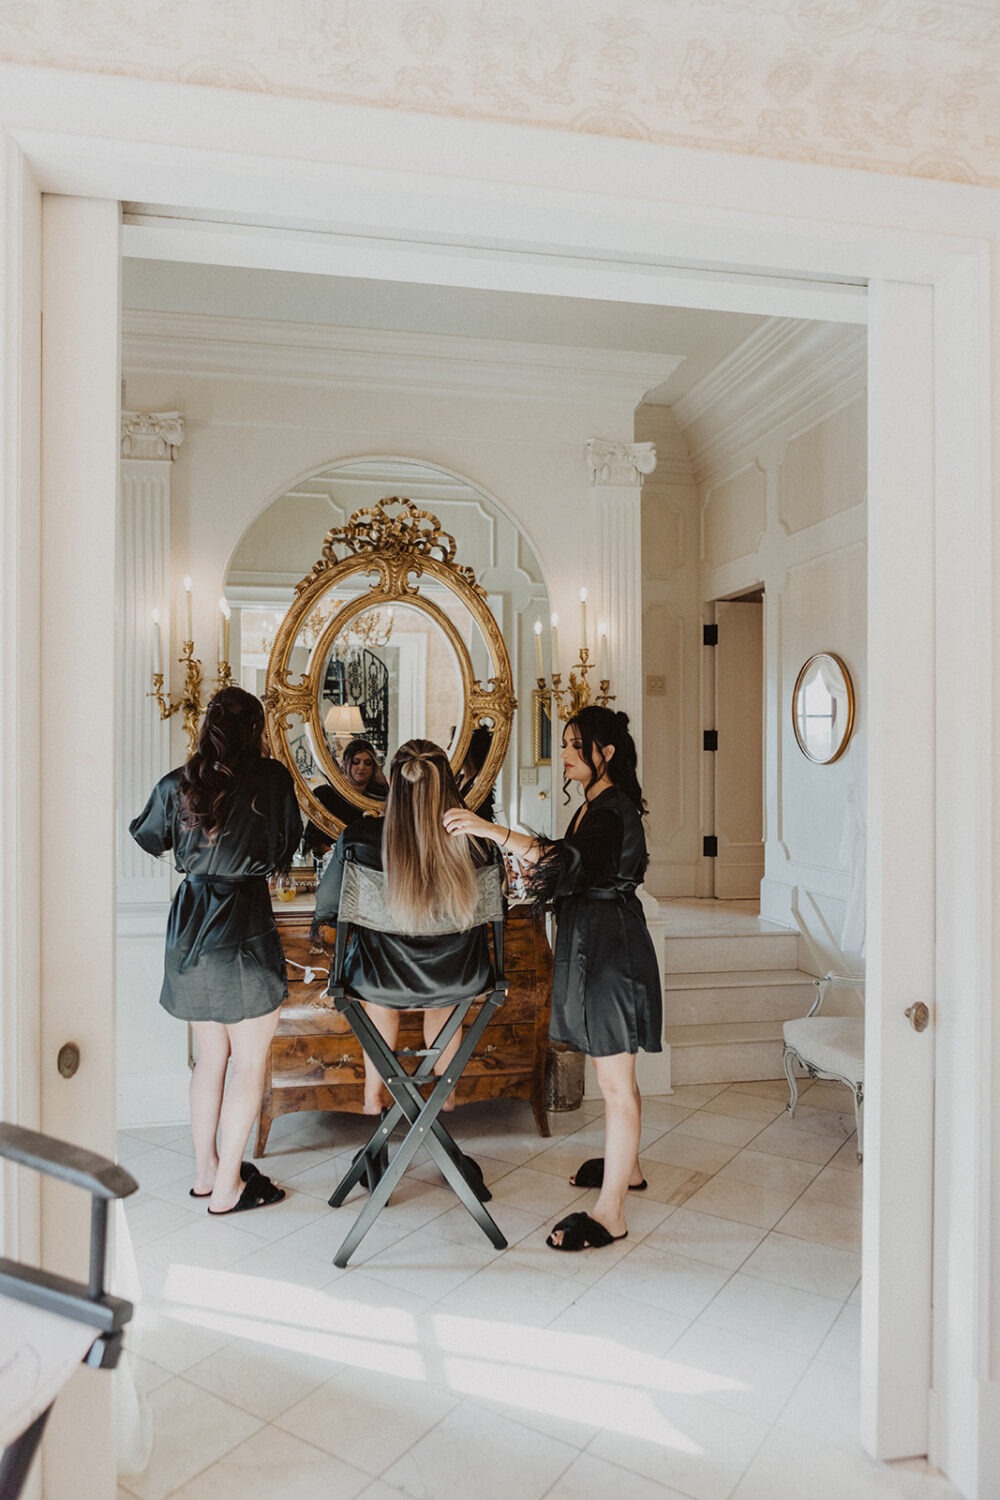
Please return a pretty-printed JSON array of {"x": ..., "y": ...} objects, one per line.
[
  {"x": 434, "y": 1022},
  {"x": 208, "y": 1080},
  {"x": 385, "y": 1019},
  {"x": 249, "y": 1042},
  {"x": 622, "y": 1125}
]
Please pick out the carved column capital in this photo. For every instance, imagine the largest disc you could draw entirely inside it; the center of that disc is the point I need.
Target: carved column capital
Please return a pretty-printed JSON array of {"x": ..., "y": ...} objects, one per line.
[
  {"x": 619, "y": 463},
  {"x": 152, "y": 434}
]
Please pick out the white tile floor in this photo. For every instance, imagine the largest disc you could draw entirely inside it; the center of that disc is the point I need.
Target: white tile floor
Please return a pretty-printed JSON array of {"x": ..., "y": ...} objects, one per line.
[{"x": 713, "y": 1355}]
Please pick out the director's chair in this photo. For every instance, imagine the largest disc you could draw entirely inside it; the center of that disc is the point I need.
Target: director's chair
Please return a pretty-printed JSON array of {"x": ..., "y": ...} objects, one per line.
[
  {"x": 48, "y": 1324},
  {"x": 363, "y": 904}
]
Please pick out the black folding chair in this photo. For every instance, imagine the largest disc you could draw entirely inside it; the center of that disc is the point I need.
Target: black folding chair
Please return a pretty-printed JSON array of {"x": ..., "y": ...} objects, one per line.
[
  {"x": 363, "y": 904},
  {"x": 74, "y": 1301}
]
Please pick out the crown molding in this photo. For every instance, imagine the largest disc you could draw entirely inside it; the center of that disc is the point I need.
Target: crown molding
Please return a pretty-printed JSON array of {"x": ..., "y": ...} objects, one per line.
[
  {"x": 787, "y": 372},
  {"x": 258, "y": 348}
]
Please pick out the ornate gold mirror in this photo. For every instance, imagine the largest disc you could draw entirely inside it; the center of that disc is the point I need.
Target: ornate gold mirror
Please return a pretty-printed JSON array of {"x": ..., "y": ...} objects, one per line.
[
  {"x": 823, "y": 708},
  {"x": 387, "y": 639}
]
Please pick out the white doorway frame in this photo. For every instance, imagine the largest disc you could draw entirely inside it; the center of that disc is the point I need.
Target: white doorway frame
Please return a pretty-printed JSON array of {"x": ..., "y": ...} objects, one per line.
[{"x": 480, "y": 205}]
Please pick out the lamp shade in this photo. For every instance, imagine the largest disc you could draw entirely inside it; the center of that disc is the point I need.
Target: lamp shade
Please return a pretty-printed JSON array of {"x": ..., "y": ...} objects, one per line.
[{"x": 344, "y": 719}]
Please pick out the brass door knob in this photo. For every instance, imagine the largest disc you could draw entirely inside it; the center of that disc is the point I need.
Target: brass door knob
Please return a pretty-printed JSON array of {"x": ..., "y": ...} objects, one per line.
[
  {"x": 68, "y": 1059},
  {"x": 918, "y": 1016}
]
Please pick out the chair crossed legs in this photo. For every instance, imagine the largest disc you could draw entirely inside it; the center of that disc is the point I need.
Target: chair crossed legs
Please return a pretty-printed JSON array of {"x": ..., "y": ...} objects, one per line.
[{"x": 362, "y": 904}]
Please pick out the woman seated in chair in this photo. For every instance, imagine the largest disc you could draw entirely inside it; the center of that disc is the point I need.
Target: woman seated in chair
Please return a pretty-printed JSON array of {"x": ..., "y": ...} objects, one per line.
[{"x": 430, "y": 877}]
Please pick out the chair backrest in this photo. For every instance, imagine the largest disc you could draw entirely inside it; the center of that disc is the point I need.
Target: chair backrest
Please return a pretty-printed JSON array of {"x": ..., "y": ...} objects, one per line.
[{"x": 363, "y": 904}]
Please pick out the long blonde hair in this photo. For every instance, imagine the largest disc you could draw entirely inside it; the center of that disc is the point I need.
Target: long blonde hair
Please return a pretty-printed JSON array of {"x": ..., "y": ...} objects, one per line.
[{"x": 429, "y": 873}]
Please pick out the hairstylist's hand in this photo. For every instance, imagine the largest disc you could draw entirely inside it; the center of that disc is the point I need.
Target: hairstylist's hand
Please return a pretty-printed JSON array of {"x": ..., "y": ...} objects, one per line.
[{"x": 461, "y": 820}]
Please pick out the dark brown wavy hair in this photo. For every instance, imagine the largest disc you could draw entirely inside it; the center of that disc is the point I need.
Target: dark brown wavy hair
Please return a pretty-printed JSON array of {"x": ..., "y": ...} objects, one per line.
[
  {"x": 230, "y": 749},
  {"x": 598, "y": 728}
]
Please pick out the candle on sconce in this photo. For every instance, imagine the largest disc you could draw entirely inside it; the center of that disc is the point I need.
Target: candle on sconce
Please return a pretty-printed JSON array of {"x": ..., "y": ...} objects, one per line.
[
  {"x": 157, "y": 645},
  {"x": 538, "y": 648},
  {"x": 223, "y": 637},
  {"x": 188, "y": 608},
  {"x": 583, "y": 618},
  {"x": 555, "y": 645},
  {"x": 602, "y": 652}
]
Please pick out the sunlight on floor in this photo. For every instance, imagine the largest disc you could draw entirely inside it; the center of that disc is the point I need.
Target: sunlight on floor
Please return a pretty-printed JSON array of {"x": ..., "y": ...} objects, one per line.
[{"x": 533, "y": 1368}]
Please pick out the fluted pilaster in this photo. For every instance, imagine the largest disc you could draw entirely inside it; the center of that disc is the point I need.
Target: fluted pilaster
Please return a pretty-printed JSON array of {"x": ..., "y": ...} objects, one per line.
[
  {"x": 149, "y": 444},
  {"x": 616, "y": 472}
]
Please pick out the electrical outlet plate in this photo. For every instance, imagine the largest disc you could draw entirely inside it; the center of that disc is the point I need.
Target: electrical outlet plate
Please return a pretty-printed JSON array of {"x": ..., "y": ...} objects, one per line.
[
  {"x": 656, "y": 686},
  {"x": 528, "y": 776}
]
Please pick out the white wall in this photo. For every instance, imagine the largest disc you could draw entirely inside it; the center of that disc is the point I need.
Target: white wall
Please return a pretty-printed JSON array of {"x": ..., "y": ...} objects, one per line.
[{"x": 776, "y": 448}]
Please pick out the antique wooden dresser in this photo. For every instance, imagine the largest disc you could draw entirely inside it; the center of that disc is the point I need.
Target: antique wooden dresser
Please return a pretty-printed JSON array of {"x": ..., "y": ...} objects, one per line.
[{"x": 315, "y": 1061}]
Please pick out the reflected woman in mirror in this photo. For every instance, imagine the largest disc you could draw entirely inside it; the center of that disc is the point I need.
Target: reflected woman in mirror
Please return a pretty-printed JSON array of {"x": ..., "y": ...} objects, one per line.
[
  {"x": 231, "y": 818},
  {"x": 475, "y": 759},
  {"x": 428, "y": 877},
  {"x": 360, "y": 765},
  {"x": 606, "y": 996}
]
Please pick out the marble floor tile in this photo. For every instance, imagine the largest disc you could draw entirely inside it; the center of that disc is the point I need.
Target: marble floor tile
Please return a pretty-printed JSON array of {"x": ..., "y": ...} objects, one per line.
[
  {"x": 258, "y": 1378},
  {"x": 706, "y": 1237},
  {"x": 727, "y": 1130},
  {"x": 670, "y": 1282},
  {"x": 689, "y": 1151},
  {"x": 778, "y": 1172},
  {"x": 771, "y": 1088},
  {"x": 274, "y": 1465},
  {"x": 742, "y": 1374},
  {"x": 825, "y": 1406},
  {"x": 588, "y": 1477},
  {"x": 842, "y": 1345},
  {"x": 728, "y": 1198},
  {"x": 508, "y": 1292},
  {"x": 191, "y": 1430},
  {"x": 788, "y": 1137},
  {"x": 428, "y": 1265},
  {"x": 694, "y": 1095},
  {"x": 780, "y": 1315},
  {"x": 367, "y": 1418},
  {"x": 827, "y": 1223},
  {"x": 684, "y": 1443},
  {"x": 788, "y": 1464},
  {"x": 469, "y": 1454},
  {"x": 835, "y": 1186},
  {"x": 745, "y": 1106},
  {"x": 811, "y": 1267}
]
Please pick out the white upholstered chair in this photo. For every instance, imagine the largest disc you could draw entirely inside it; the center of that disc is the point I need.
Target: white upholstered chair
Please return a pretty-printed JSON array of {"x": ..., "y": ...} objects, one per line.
[{"x": 829, "y": 1047}]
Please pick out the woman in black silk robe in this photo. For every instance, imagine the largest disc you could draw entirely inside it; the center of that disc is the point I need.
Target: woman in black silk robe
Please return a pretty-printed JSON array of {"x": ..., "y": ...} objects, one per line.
[
  {"x": 606, "y": 995},
  {"x": 230, "y": 818}
]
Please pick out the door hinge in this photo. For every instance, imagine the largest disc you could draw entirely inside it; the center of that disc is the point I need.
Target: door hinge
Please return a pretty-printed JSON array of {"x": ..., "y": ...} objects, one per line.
[
  {"x": 710, "y": 635},
  {"x": 710, "y": 739},
  {"x": 710, "y": 846}
]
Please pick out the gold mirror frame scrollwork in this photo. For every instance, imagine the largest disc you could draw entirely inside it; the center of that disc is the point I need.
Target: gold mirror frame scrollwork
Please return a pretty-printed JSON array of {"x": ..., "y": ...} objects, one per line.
[{"x": 394, "y": 545}]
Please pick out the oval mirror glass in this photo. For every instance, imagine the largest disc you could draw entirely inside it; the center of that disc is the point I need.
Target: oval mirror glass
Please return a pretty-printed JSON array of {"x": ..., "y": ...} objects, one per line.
[{"x": 823, "y": 708}]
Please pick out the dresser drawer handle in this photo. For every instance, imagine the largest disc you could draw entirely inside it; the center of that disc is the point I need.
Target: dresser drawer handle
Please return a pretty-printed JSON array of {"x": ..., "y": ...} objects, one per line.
[
  {"x": 491, "y": 1048},
  {"x": 345, "y": 1061}
]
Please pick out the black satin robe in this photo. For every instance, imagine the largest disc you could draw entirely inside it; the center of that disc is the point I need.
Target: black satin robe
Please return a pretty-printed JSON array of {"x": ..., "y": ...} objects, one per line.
[
  {"x": 405, "y": 972},
  {"x": 606, "y": 993},
  {"x": 223, "y": 959}
]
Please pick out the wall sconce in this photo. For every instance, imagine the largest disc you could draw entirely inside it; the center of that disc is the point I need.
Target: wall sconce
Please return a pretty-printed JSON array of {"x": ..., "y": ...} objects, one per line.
[
  {"x": 577, "y": 693},
  {"x": 189, "y": 703}
]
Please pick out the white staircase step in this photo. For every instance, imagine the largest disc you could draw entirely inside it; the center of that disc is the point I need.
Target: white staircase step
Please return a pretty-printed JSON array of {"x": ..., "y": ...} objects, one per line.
[
  {"x": 748, "y": 950},
  {"x": 713, "y": 995},
  {"x": 731, "y": 1052}
]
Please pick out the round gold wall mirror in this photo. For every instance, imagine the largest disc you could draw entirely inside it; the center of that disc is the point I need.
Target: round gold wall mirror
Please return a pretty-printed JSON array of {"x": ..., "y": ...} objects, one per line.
[
  {"x": 388, "y": 638},
  {"x": 823, "y": 708}
]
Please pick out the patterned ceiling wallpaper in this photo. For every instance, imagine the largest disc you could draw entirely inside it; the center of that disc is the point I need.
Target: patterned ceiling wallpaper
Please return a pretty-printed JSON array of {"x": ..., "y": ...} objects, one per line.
[{"x": 904, "y": 86}]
